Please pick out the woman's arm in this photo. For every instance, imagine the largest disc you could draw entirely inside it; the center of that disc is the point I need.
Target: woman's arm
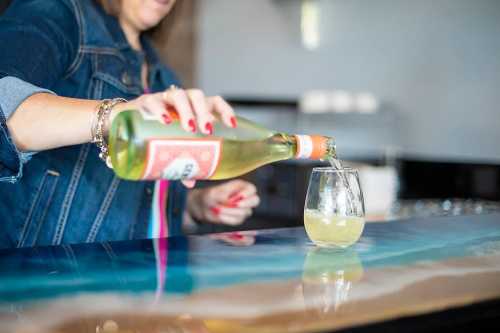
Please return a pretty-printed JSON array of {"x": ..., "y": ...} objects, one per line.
[
  {"x": 40, "y": 41},
  {"x": 43, "y": 40},
  {"x": 45, "y": 121}
]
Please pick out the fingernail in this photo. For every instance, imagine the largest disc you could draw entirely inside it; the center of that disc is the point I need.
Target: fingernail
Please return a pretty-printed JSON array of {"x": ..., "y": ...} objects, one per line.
[
  {"x": 172, "y": 113},
  {"x": 233, "y": 122},
  {"x": 209, "y": 128},
  {"x": 215, "y": 210},
  {"x": 235, "y": 200},
  {"x": 166, "y": 119},
  {"x": 234, "y": 195},
  {"x": 192, "y": 125},
  {"x": 236, "y": 236}
]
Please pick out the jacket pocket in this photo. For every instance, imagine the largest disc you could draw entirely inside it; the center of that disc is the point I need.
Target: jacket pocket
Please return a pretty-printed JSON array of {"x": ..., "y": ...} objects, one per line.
[
  {"x": 113, "y": 78},
  {"x": 38, "y": 209}
]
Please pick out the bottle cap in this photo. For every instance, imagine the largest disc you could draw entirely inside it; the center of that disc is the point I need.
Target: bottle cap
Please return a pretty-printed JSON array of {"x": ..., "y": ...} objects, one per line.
[{"x": 311, "y": 146}]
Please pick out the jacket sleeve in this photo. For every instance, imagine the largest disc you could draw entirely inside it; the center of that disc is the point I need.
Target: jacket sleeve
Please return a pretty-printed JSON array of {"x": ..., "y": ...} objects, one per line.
[
  {"x": 40, "y": 41},
  {"x": 13, "y": 92}
]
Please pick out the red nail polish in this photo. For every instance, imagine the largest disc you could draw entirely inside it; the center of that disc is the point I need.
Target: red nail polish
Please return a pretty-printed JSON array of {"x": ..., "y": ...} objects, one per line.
[
  {"x": 236, "y": 199},
  {"x": 236, "y": 236},
  {"x": 215, "y": 210},
  {"x": 233, "y": 122},
  {"x": 233, "y": 195},
  {"x": 192, "y": 125},
  {"x": 209, "y": 128},
  {"x": 166, "y": 119},
  {"x": 172, "y": 113}
]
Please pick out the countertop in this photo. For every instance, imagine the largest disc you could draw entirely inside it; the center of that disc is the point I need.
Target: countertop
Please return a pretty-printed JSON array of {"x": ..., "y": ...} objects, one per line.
[{"x": 276, "y": 282}]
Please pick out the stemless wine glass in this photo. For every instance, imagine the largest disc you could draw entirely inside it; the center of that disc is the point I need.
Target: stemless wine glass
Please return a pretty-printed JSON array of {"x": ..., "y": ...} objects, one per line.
[{"x": 334, "y": 213}]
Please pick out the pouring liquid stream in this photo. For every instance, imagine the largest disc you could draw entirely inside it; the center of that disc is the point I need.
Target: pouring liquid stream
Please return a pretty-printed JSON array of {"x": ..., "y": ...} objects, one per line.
[{"x": 337, "y": 165}]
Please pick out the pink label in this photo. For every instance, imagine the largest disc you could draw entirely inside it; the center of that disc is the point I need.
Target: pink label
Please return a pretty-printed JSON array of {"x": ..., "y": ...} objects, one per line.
[{"x": 182, "y": 158}]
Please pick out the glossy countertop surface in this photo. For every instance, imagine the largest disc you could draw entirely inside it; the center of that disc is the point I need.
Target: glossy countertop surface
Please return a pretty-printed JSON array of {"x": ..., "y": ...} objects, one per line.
[{"x": 274, "y": 281}]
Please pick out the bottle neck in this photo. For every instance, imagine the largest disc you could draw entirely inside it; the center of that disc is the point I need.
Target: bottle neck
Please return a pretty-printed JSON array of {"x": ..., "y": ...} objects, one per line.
[{"x": 315, "y": 147}]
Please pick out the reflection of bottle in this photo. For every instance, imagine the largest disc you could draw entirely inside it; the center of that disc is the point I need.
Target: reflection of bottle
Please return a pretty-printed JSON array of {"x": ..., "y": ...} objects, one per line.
[
  {"x": 328, "y": 276},
  {"x": 130, "y": 322},
  {"x": 143, "y": 148},
  {"x": 225, "y": 326}
]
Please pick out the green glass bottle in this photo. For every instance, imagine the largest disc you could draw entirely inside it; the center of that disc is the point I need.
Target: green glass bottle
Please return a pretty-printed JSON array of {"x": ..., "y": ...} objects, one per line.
[{"x": 143, "y": 148}]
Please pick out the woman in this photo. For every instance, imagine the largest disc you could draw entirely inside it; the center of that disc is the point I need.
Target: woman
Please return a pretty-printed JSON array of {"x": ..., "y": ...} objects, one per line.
[{"x": 87, "y": 51}]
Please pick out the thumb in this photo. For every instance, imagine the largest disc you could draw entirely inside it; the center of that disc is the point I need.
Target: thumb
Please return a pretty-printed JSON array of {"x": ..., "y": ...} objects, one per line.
[{"x": 188, "y": 183}]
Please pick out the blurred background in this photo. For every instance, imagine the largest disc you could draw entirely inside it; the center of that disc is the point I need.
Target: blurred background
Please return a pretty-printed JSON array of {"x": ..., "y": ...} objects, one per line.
[{"x": 409, "y": 89}]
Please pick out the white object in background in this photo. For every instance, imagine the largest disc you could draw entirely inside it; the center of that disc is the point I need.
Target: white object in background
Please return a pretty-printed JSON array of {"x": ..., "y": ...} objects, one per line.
[
  {"x": 314, "y": 101},
  {"x": 309, "y": 24},
  {"x": 366, "y": 103},
  {"x": 379, "y": 186},
  {"x": 341, "y": 101}
]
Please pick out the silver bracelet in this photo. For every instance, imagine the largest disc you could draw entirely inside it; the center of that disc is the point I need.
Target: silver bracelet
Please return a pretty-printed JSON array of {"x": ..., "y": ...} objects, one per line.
[{"x": 99, "y": 124}]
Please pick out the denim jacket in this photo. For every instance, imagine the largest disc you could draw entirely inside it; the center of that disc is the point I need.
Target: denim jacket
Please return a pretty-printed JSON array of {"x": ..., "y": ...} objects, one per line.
[{"x": 67, "y": 195}]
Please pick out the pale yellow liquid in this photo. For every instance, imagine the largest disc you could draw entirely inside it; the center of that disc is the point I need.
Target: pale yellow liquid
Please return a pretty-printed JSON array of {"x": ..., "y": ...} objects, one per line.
[
  {"x": 328, "y": 277},
  {"x": 331, "y": 230},
  {"x": 244, "y": 149}
]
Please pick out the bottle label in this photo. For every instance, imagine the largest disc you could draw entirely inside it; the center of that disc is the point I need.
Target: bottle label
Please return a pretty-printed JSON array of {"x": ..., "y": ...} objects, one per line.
[
  {"x": 311, "y": 146},
  {"x": 181, "y": 158},
  {"x": 304, "y": 146}
]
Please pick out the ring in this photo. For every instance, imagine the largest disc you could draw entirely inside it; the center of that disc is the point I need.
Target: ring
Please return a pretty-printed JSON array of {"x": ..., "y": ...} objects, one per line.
[{"x": 171, "y": 88}]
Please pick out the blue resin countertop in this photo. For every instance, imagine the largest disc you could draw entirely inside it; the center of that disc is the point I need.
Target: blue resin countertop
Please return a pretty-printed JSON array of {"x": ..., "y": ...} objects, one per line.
[{"x": 278, "y": 281}]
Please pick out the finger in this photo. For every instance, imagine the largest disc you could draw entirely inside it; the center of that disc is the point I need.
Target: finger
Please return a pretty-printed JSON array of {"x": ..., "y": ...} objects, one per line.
[
  {"x": 230, "y": 216},
  {"x": 189, "y": 183},
  {"x": 224, "y": 193},
  {"x": 236, "y": 212},
  {"x": 250, "y": 202},
  {"x": 230, "y": 220},
  {"x": 248, "y": 232},
  {"x": 248, "y": 189},
  {"x": 203, "y": 116},
  {"x": 240, "y": 240},
  {"x": 236, "y": 238},
  {"x": 179, "y": 100},
  {"x": 236, "y": 190},
  {"x": 247, "y": 241},
  {"x": 246, "y": 196},
  {"x": 155, "y": 105},
  {"x": 218, "y": 105}
]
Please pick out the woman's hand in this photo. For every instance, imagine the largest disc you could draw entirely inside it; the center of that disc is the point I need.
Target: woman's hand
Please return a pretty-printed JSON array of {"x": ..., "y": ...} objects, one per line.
[
  {"x": 195, "y": 111},
  {"x": 229, "y": 203}
]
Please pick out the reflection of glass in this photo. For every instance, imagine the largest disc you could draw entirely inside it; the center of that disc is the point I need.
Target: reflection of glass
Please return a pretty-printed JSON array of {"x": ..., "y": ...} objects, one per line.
[
  {"x": 328, "y": 277},
  {"x": 334, "y": 210}
]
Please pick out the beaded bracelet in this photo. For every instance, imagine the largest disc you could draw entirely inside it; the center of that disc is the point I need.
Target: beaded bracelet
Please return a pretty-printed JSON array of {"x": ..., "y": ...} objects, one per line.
[{"x": 99, "y": 124}]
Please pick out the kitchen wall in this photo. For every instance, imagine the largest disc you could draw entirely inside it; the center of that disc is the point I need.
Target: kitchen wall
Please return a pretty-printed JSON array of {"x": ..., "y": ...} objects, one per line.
[
  {"x": 176, "y": 41},
  {"x": 435, "y": 65}
]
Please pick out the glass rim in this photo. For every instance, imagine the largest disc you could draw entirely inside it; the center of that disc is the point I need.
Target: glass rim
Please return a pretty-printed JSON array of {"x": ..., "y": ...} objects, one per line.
[{"x": 334, "y": 170}]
